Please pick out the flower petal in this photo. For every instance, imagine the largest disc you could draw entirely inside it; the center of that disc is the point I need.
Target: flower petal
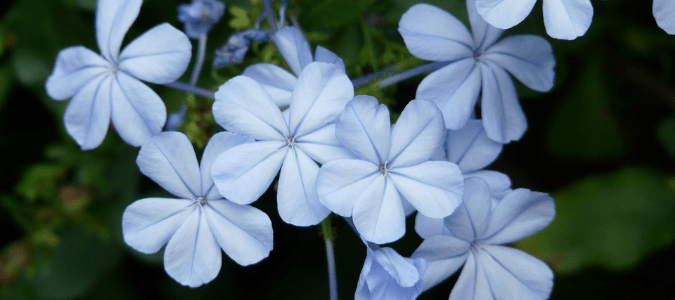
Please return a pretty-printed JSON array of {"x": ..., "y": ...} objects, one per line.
[
  {"x": 503, "y": 119},
  {"x": 244, "y": 232},
  {"x": 426, "y": 226},
  {"x": 218, "y": 144},
  {"x": 243, "y": 106},
  {"x": 88, "y": 114},
  {"x": 504, "y": 14},
  {"x": 434, "y": 188},
  {"x": 378, "y": 213},
  {"x": 324, "y": 55},
  {"x": 397, "y": 266},
  {"x": 319, "y": 96},
  {"x": 518, "y": 215},
  {"x": 192, "y": 256},
  {"x": 74, "y": 68},
  {"x": 528, "y": 57},
  {"x": 364, "y": 129},
  {"x": 275, "y": 80},
  {"x": 444, "y": 256},
  {"x": 470, "y": 148},
  {"x": 471, "y": 219},
  {"x": 341, "y": 181},
  {"x": 113, "y": 20},
  {"x": 431, "y": 33},
  {"x": 322, "y": 145},
  {"x": 149, "y": 223},
  {"x": 417, "y": 135},
  {"x": 500, "y": 183},
  {"x": 484, "y": 34},
  {"x": 250, "y": 165},
  {"x": 472, "y": 283},
  {"x": 514, "y": 274},
  {"x": 161, "y": 55},
  {"x": 567, "y": 19},
  {"x": 454, "y": 88},
  {"x": 137, "y": 111},
  {"x": 663, "y": 11},
  {"x": 294, "y": 48}
]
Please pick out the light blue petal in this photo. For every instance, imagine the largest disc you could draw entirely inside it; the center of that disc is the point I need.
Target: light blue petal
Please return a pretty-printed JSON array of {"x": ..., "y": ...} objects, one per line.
[
  {"x": 503, "y": 119},
  {"x": 472, "y": 283},
  {"x": 418, "y": 134},
  {"x": 243, "y": 106},
  {"x": 504, "y": 14},
  {"x": 294, "y": 48},
  {"x": 567, "y": 19},
  {"x": 471, "y": 219},
  {"x": 341, "y": 181},
  {"x": 426, "y": 226},
  {"x": 393, "y": 277},
  {"x": 431, "y": 33},
  {"x": 324, "y": 55},
  {"x": 297, "y": 200},
  {"x": 161, "y": 55},
  {"x": 528, "y": 57},
  {"x": 408, "y": 208},
  {"x": 664, "y": 13},
  {"x": 322, "y": 145},
  {"x": 398, "y": 267},
  {"x": 434, "y": 188},
  {"x": 88, "y": 114},
  {"x": 218, "y": 144},
  {"x": 362, "y": 291},
  {"x": 500, "y": 183},
  {"x": 137, "y": 111},
  {"x": 74, "y": 68},
  {"x": 169, "y": 159},
  {"x": 192, "y": 256},
  {"x": 518, "y": 215},
  {"x": 470, "y": 147},
  {"x": 243, "y": 173},
  {"x": 514, "y": 274},
  {"x": 364, "y": 128},
  {"x": 275, "y": 80},
  {"x": 444, "y": 256},
  {"x": 454, "y": 88},
  {"x": 113, "y": 20},
  {"x": 484, "y": 34},
  {"x": 149, "y": 223},
  {"x": 319, "y": 96},
  {"x": 244, "y": 232},
  {"x": 378, "y": 213}
]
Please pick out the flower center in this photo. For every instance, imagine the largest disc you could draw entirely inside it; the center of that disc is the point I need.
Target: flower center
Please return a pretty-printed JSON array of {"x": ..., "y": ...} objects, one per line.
[
  {"x": 477, "y": 55},
  {"x": 475, "y": 246},
  {"x": 384, "y": 169},
  {"x": 290, "y": 141},
  {"x": 201, "y": 201}
]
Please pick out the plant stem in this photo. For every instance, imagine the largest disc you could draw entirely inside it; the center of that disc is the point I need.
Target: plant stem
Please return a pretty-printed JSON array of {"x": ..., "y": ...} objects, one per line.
[
  {"x": 374, "y": 76},
  {"x": 200, "y": 60},
  {"x": 328, "y": 236},
  {"x": 413, "y": 72},
  {"x": 191, "y": 89}
]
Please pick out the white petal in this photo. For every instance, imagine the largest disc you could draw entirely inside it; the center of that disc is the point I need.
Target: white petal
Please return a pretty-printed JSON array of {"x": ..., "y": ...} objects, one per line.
[
  {"x": 471, "y": 219},
  {"x": 567, "y": 19},
  {"x": 484, "y": 34},
  {"x": 192, "y": 256},
  {"x": 149, "y": 223},
  {"x": 243, "y": 173},
  {"x": 243, "y": 106},
  {"x": 74, "y": 68},
  {"x": 319, "y": 96},
  {"x": 503, "y": 119},
  {"x": 244, "y": 232},
  {"x": 276, "y": 81},
  {"x": 322, "y": 145},
  {"x": 88, "y": 114},
  {"x": 500, "y": 183},
  {"x": 664, "y": 13},
  {"x": 431, "y": 33},
  {"x": 470, "y": 148},
  {"x": 113, "y": 19},
  {"x": 426, "y": 226},
  {"x": 528, "y": 57},
  {"x": 520, "y": 214},
  {"x": 218, "y": 144},
  {"x": 472, "y": 283},
  {"x": 169, "y": 159},
  {"x": 504, "y": 14},
  {"x": 418, "y": 134},
  {"x": 514, "y": 274},
  {"x": 137, "y": 111},
  {"x": 444, "y": 255},
  {"x": 364, "y": 128},
  {"x": 324, "y": 55},
  {"x": 341, "y": 181},
  {"x": 294, "y": 48},
  {"x": 434, "y": 188},
  {"x": 161, "y": 55},
  {"x": 400, "y": 269},
  {"x": 454, "y": 88},
  {"x": 378, "y": 213}
]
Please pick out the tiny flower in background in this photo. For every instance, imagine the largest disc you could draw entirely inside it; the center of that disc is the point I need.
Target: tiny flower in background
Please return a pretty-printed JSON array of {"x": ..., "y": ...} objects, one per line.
[
  {"x": 473, "y": 236},
  {"x": 176, "y": 119},
  {"x": 474, "y": 63},
  {"x": 108, "y": 87},
  {"x": 234, "y": 51},
  {"x": 201, "y": 222},
  {"x": 664, "y": 13},
  {"x": 386, "y": 275},
  {"x": 200, "y": 16}
]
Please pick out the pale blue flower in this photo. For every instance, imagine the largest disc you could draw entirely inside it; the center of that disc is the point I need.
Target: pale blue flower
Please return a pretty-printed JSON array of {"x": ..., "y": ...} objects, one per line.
[
  {"x": 292, "y": 142},
  {"x": 176, "y": 119},
  {"x": 234, "y": 51},
  {"x": 200, "y": 16},
  {"x": 386, "y": 275},
  {"x": 474, "y": 63},
  {"x": 564, "y": 19},
  {"x": 474, "y": 236},
  {"x": 295, "y": 49},
  {"x": 201, "y": 222},
  {"x": 664, "y": 13},
  {"x": 391, "y": 164},
  {"x": 108, "y": 87}
]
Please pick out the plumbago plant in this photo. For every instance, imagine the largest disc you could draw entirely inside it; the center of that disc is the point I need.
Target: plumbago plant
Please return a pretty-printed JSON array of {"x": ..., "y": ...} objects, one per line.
[{"x": 332, "y": 151}]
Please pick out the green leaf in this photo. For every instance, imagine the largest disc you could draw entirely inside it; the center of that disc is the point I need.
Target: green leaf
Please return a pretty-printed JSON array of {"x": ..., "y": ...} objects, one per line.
[
  {"x": 239, "y": 19},
  {"x": 613, "y": 220},
  {"x": 333, "y": 13},
  {"x": 666, "y": 134},
  {"x": 6, "y": 78},
  {"x": 40, "y": 181}
]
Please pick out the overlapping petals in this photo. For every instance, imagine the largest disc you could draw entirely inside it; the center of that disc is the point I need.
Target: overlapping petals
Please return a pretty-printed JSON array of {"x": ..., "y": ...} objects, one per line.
[{"x": 387, "y": 275}]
